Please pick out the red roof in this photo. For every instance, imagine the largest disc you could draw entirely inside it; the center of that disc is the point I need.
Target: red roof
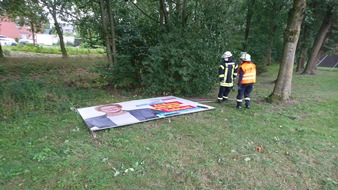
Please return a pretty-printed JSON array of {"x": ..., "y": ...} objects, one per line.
[{"x": 11, "y": 30}]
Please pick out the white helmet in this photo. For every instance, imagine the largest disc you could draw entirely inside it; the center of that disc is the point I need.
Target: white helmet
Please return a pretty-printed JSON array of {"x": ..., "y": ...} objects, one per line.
[
  {"x": 227, "y": 54},
  {"x": 245, "y": 56}
]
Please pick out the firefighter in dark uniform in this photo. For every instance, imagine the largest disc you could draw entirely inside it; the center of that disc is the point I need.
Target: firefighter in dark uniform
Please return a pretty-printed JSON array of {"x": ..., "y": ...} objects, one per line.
[
  {"x": 227, "y": 75},
  {"x": 246, "y": 80}
]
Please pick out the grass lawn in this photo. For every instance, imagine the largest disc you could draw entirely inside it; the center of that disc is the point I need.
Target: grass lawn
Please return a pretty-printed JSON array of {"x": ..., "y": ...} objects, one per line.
[{"x": 45, "y": 145}]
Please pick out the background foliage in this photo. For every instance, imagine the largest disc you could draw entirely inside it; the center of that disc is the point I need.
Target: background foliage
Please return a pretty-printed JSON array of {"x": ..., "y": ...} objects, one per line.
[
  {"x": 182, "y": 40},
  {"x": 181, "y": 55}
]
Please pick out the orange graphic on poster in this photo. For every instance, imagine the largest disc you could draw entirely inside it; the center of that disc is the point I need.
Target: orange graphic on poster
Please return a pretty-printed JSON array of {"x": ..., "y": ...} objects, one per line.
[{"x": 171, "y": 106}]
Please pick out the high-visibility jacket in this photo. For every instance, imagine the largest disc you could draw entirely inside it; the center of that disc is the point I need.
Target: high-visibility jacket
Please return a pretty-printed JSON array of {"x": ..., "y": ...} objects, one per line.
[
  {"x": 247, "y": 73},
  {"x": 227, "y": 73}
]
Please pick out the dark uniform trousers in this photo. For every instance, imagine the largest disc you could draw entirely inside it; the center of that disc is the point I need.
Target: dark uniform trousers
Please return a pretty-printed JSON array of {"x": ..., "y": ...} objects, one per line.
[
  {"x": 244, "y": 90},
  {"x": 224, "y": 92}
]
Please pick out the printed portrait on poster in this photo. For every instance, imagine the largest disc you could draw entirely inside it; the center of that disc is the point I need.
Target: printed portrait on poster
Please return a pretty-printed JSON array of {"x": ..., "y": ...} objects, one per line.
[{"x": 125, "y": 113}]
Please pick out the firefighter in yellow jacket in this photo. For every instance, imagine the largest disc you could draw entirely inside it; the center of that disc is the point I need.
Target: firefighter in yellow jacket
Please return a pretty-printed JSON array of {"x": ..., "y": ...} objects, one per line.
[
  {"x": 227, "y": 75},
  {"x": 246, "y": 80}
]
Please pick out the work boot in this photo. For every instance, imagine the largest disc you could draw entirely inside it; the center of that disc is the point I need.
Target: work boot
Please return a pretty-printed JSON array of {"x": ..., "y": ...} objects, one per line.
[
  {"x": 239, "y": 105},
  {"x": 247, "y": 104}
]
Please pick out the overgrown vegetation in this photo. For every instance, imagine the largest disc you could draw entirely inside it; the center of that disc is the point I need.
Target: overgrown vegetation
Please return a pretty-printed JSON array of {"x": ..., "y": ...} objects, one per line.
[
  {"x": 46, "y": 145},
  {"x": 53, "y": 49},
  {"x": 180, "y": 68}
]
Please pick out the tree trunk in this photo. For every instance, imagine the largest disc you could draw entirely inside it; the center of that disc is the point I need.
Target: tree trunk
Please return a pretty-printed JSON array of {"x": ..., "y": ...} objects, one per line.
[
  {"x": 319, "y": 41},
  {"x": 60, "y": 34},
  {"x": 33, "y": 32},
  {"x": 269, "y": 49},
  {"x": 303, "y": 46},
  {"x": 319, "y": 55},
  {"x": 112, "y": 31},
  {"x": 178, "y": 8},
  {"x": 184, "y": 13},
  {"x": 163, "y": 13},
  {"x": 105, "y": 33},
  {"x": 62, "y": 43},
  {"x": 302, "y": 56},
  {"x": 282, "y": 89},
  {"x": 277, "y": 8},
  {"x": 248, "y": 23},
  {"x": 90, "y": 38},
  {"x": 1, "y": 52}
]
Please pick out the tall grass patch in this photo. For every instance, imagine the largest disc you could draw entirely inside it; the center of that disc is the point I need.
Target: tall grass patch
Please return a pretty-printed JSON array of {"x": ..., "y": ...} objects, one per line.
[
  {"x": 46, "y": 84},
  {"x": 55, "y": 49}
]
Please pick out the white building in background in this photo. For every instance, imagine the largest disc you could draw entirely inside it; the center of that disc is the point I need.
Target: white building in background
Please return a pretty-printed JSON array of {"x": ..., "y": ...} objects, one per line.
[
  {"x": 47, "y": 39},
  {"x": 52, "y": 39},
  {"x": 67, "y": 27}
]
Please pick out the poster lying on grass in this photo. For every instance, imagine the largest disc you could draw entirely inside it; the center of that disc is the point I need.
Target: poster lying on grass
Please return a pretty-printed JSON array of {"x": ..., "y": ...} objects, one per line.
[{"x": 126, "y": 113}]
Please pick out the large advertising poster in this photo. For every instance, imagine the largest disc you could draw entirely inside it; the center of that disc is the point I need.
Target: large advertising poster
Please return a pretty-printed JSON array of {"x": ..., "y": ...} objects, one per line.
[{"x": 126, "y": 113}]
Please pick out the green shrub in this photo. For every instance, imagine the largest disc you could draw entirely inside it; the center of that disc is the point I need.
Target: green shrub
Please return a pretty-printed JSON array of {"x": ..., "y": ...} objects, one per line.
[
  {"x": 174, "y": 67},
  {"x": 84, "y": 45},
  {"x": 179, "y": 66}
]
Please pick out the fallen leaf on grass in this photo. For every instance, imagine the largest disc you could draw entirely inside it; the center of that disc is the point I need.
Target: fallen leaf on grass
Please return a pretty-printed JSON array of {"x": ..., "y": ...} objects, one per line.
[{"x": 259, "y": 148}]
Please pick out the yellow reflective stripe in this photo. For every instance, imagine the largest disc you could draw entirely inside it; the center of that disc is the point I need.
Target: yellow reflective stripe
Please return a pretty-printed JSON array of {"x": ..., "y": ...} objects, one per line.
[
  {"x": 246, "y": 98},
  {"x": 226, "y": 84},
  {"x": 221, "y": 66},
  {"x": 221, "y": 75},
  {"x": 232, "y": 76},
  {"x": 239, "y": 100}
]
